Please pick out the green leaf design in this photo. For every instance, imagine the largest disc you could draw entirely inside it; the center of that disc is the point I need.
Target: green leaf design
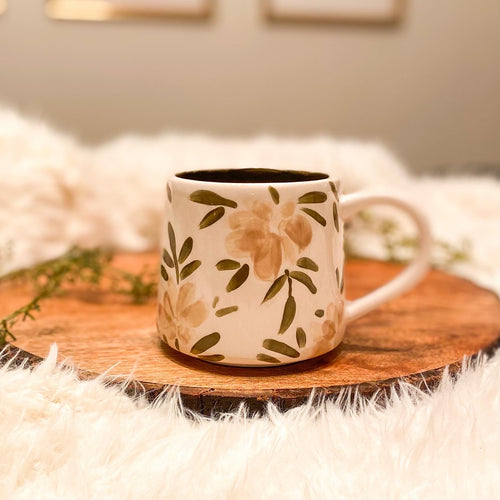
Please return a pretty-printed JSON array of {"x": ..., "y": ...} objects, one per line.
[
  {"x": 313, "y": 197},
  {"x": 215, "y": 301},
  {"x": 334, "y": 190},
  {"x": 176, "y": 344},
  {"x": 336, "y": 216},
  {"x": 167, "y": 259},
  {"x": 227, "y": 265},
  {"x": 340, "y": 280},
  {"x": 288, "y": 314},
  {"x": 266, "y": 358},
  {"x": 304, "y": 279},
  {"x": 300, "y": 335},
  {"x": 319, "y": 313},
  {"x": 226, "y": 310},
  {"x": 211, "y": 357},
  {"x": 315, "y": 215},
  {"x": 164, "y": 273},
  {"x": 206, "y": 197},
  {"x": 281, "y": 348},
  {"x": 190, "y": 268},
  {"x": 169, "y": 193},
  {"x": 171, "y": 239},
  {"x": 275, "y": 288},
  {"x": 274, "y": 195},
  {"x": 186, "y": 248},
  {"x": 239, "y": 277},
  {"x": 205, "y": 343},
  {"x": 307, "y": 263},
  {"x": 212, "y": 217}
]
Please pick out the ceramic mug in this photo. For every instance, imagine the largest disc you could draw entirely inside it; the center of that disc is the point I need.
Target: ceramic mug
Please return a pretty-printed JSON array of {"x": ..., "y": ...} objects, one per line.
[{"x": 252, "y": 270}]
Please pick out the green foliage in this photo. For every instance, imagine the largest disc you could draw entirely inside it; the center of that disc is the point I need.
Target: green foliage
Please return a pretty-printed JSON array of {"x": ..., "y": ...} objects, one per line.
[
  {"x": 397, "y": 244},
  {"x": 288, "y": 314},
  {"x": 304, "y": 279},
  {"x": 274, "y": 195},
  {"x": 300, "y": 336},
  {"x": 267, "y": 359},
  {"x": 226, "y": 310},
  {"x": 307, "y": 263},
  {"x": 334, "y": 190},
  {"x": 315, "y": 215},
  {"x": 227, "y": 265},
  {"x": 239, "y": 277},
  {"x": 280, "y": 348},
  {"x": 335, "y": 216},
  {"x": 77, "y": 266},
  {"x": 313, "y": 197},
  {"x": 275, "y": 287},
  {"x": 189, "y": 269},
  {"x": 186, "y": 248},
  {"x": 206, "y": 197},
  {"x": 205, "y": 343},
  {"x": 212, "y": 217},
  {"x": 211, "y": 357}
]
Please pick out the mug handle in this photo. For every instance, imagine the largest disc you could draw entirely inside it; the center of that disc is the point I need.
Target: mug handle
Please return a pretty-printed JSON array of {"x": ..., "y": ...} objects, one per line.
[{"x": 352, "y": 203}]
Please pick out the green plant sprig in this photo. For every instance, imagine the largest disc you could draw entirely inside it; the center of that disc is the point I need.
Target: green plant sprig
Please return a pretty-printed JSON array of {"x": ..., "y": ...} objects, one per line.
[
  {"x": 139, "y": 287},
  {"x": 78, "y": 265},
  {"x": 446, "y": 255}
]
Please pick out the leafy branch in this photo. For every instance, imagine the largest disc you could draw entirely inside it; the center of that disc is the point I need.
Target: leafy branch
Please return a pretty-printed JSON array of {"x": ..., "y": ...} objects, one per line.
[
  {"x": 288, "y": 276},
  {"x": 174, "y": 261},
  {"x": 77, "y": 265}
]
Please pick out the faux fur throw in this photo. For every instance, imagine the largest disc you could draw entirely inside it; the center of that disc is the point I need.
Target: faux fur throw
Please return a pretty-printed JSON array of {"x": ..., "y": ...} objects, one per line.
[{"x": 64, "y": 438}]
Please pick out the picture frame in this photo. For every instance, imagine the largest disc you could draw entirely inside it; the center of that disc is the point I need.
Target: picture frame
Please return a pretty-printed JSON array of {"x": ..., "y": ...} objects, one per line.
[
  {"x": 382, "y": 12},
  {"x": 112, "y": 10}
]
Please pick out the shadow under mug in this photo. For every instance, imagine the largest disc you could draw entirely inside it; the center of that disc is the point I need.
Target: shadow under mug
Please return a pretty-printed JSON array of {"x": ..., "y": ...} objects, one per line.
[{"x": 252, "y": 269}]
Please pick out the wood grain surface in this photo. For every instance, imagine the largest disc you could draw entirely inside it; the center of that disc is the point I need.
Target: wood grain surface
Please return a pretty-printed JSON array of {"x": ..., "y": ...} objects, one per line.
[{"x": 412, "y": 338}]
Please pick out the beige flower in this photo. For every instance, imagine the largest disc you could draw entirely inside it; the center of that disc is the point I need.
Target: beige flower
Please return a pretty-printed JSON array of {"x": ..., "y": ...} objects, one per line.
[
  {"x": 327, "y": 330},
  {"x": 267, "y": 234},
  {"x": 179, "y": 313},
  {"x": 333, "y": 319}
]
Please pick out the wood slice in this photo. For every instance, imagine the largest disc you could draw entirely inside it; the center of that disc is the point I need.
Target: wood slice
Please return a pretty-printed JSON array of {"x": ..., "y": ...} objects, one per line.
[{"x": 411, "y": 338}]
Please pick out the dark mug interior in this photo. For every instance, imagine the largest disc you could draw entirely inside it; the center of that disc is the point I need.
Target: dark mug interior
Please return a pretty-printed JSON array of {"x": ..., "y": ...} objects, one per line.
[{"x": 252, "y": 175}]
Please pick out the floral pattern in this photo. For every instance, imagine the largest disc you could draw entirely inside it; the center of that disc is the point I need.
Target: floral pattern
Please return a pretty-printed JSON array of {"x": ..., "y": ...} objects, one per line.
[
  {"x": 268, "y": 235},
  {"x": 269, "y": 240},
  {"x": 333, "y": 319},
  {"x": 327, "y": 330},
  {"x": 180, "y": 313},
  {"x": 323, "y": 337}
]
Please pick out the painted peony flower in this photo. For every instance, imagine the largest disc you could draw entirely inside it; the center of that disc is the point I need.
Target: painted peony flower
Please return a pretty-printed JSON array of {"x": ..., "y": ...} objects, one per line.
[
  {"x": 268, "y": 235},
  {"x": 333, "y": 319},
  {"x": 326, "y": 331},
  {"x": 179, "y": 313}
]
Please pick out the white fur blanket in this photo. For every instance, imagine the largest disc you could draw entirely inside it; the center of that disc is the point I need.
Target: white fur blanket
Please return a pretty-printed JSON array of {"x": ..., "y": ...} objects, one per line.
[{"x": 64, "y": 438}]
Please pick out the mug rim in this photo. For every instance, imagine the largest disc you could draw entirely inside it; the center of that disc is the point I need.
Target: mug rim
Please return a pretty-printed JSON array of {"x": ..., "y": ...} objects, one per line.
[{"x": 276, "y": 176}]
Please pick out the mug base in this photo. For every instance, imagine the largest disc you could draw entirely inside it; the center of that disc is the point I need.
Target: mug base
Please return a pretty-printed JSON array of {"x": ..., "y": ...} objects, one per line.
[{"x": 245, "y": 363}]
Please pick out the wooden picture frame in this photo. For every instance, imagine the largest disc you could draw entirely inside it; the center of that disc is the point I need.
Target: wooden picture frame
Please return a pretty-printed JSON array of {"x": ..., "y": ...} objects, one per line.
[
  {"x": 111, "y": 10},
  {"x": 381, "y": 12}
]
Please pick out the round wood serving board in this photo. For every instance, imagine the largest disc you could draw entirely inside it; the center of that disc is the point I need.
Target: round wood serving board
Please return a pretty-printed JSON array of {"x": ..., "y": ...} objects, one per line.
[{"x": 411, "y": 338}]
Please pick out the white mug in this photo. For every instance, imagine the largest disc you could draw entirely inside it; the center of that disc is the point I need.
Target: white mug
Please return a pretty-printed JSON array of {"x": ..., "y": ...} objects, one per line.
[{"x": 252, "y": 269}]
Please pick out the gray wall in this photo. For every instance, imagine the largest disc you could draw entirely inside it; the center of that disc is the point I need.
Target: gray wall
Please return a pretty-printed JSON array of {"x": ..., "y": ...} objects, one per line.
[{"x": 429, "y": 88}]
